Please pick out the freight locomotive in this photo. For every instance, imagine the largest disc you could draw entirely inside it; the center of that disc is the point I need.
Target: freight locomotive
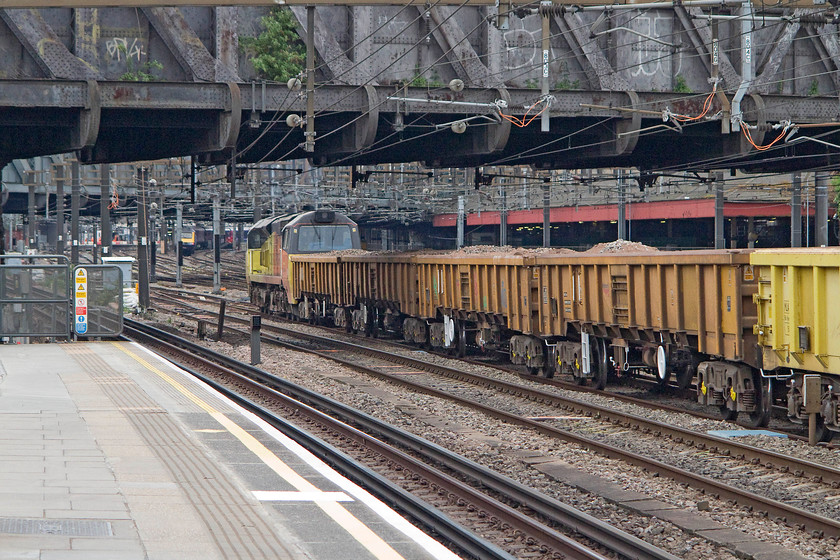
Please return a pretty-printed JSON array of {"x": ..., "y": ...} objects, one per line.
[
  {"x": 745, "y": 326},
  {"x": 272, "y": 240}
]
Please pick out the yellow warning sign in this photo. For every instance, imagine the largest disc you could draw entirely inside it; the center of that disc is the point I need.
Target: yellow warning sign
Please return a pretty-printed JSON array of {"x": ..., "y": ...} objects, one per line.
[
  {"x": 81, "y": 301},
  {"x": 749, "y": 273}
]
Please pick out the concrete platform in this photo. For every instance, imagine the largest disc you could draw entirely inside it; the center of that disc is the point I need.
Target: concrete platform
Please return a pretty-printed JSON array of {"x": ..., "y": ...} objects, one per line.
[{"x": 109, "y": 452}]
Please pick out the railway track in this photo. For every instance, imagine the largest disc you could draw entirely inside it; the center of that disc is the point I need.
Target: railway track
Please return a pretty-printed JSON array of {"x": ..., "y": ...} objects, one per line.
[
  {"x": 735, "y": 455},
  {"x": 518, "y": 517},
  {"x": 176, "y": 296},
  {"x": 198, "y": 269}
]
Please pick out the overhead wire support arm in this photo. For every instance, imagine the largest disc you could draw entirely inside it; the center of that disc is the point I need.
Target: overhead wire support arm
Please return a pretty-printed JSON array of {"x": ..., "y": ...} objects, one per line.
[
  {"x": 357, "y": 176},
  {"x": 487, "y": 179},
  {"x": 458, "y": 125},
  {"x": 593, "y": 35},
  {"x": 443, "y": 102}
]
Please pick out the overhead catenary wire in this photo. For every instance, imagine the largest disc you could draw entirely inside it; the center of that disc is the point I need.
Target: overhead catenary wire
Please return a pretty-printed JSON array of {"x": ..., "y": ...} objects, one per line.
[
  {"x": 450, "y": 49},
  {"x": 361, "y": 116},
  {"x": 698, "y": 55}
]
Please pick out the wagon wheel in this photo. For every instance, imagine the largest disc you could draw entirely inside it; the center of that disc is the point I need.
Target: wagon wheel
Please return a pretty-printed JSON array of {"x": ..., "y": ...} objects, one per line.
[
  {"x": 427, "y": 339},
  {"x": 764, "y": 404},
  {"x": 369, "y": 323},
  {"x": 374, "y": 324},
  {"x": 823, "y": 433},
  {"x": 461, "y": 339},
  {"x": 348, "y": 319},
  {"x": 599, "y": 381},
  {"x": 727, "y": 414},
  {"x": 685, "y": 374},
  {"x": 550, "y": 361},
  {"x": 663, "y": 368}
]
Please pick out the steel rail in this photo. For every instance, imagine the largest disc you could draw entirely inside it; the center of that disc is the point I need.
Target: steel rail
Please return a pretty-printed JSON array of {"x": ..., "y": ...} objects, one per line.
[
  {"x": 615, "y": 539},
  {"x": 818, "y": 525},
  {"x": 372, "y": 481},
  {"x": 784, "y": 463},
  {"x": 771, "y": 459}
]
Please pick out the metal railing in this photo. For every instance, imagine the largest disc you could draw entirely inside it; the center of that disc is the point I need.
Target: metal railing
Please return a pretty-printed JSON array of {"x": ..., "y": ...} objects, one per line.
[{"x": 37, "y": 298}]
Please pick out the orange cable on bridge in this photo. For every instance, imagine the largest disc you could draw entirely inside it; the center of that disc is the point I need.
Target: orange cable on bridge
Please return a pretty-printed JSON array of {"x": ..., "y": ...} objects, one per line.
[
  {"x": 521, "y": 122},
  {"x": 707, "y": 104},
  {"x": 745, "y": 129}
]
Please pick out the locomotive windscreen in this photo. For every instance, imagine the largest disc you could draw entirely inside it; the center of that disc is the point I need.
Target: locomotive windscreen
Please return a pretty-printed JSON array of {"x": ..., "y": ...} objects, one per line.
[{"x": 318, "y": 239}]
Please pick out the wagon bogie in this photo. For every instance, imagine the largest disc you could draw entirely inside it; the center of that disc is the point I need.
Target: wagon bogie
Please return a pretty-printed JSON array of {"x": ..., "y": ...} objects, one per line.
[
  {"x": 736, "y": 389},
  {"x": 528, "y": 351},
  {"x": 829, "y": 405},
  {"x": 416, "y": 330}
]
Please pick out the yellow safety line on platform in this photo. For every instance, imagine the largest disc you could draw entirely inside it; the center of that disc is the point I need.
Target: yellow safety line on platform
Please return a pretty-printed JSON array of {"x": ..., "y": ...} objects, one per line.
[{"x": 338, "y": 513}]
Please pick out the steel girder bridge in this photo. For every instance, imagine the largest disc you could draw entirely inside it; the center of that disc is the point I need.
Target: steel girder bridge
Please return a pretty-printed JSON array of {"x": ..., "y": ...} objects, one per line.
[{"x": 694, "y": 85}]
